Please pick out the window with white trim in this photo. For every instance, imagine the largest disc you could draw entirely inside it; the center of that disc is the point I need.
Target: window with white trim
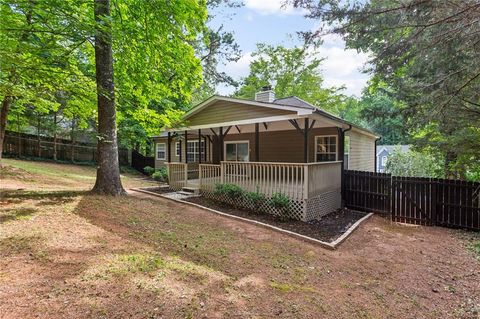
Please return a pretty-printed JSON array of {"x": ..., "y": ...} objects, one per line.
[
  {"x": 326, "y": 148},
  {"x": 193, "y": 151},
  {"x": 178, "y": 150},
  {"x": 161, "y": 151}
]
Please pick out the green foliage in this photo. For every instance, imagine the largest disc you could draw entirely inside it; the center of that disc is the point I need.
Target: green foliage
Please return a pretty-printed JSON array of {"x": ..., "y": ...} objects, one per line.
[
  {"x": 231, "y": 190},
  {"x": 149, "y": 170},
  {"x": 295, "y": 71},
  {"x": 282, "y": 203},
  {"x": 160, "y": 175},
  {"x": 427, "y": 54},
  {"x": 382, "y": 112},
  {"x": 256, "y": 199},
  {"x": 413, "y": 163}
]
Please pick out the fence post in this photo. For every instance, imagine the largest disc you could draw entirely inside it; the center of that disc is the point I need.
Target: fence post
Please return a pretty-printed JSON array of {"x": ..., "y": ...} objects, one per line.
[
  {"x": 433, "y": 200},
  {"x": 185, "y": 174},
  {"x": 305, "y": 181},
  {"x": 222, "y": 172}
]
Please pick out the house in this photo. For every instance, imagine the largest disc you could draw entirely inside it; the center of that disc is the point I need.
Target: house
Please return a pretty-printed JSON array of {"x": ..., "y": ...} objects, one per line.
[
  {"x": 267, "y": 145},
  {"x": 383, "y": 151}
]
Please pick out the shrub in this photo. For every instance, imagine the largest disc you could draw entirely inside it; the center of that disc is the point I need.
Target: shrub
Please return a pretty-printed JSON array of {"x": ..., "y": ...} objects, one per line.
[
  {"x": 280, "y": 202},
  {"x": 160, "y": 175},
  {"x": 231, "y": 190},
  {"x": 256, "y": 199},
  {"x": 149, "y": 170}
]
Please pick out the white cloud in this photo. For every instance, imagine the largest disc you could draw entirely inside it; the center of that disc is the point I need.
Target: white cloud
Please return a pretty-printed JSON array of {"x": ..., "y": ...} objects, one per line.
[
  {"x": 341, "y": 67},
  {"x": 266, "y": 7},
  {"x": 249, "y": 17}
]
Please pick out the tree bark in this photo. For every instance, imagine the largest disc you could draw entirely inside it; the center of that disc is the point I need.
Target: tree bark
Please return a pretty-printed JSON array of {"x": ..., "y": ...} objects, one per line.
[
  {"x": 108, "y": 171},
  {"x": 7, "y": 101}
]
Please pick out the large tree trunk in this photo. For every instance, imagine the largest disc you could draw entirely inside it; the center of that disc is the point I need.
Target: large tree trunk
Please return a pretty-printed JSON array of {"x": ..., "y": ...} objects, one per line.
[
  {"x": 108, "y": 172},
  {"x": 7, "y": 101}
]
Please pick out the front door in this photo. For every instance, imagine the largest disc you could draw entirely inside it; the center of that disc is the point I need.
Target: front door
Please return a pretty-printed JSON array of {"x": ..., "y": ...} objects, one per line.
[{"x": 237, "y": 151}]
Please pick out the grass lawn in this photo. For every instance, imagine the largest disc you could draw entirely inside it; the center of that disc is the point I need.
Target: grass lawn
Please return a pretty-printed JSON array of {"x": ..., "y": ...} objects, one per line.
[
  {"x": 50, "y": 176},
  {"x": 67, "y": 254}
]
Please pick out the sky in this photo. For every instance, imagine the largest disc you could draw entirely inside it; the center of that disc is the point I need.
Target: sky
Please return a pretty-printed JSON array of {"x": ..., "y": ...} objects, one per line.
[{"x": 266, "y": 21}]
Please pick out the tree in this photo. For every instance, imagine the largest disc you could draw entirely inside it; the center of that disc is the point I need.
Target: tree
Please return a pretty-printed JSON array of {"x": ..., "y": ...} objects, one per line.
[
  {"x": 426, "y": 52},
  {"x": 413, "y": 163},
  {"x": 39, "y": 41},
  {"x": 293, "y": 71},
  {"x": 384, "y": 115},
  {"x": 108, "y": 171}
]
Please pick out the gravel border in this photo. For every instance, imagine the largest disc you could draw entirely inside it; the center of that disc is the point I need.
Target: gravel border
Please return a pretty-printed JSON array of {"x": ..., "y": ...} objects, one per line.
[{"x": 332, "y": 245}]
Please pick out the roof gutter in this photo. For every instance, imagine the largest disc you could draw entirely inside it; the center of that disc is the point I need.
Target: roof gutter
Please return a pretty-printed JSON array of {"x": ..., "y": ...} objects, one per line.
[{"x": 342, "y": 176}]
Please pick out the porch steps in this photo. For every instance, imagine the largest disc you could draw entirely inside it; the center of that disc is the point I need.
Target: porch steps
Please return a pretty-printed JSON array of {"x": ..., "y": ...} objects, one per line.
[{"x": 189, "y": 191}]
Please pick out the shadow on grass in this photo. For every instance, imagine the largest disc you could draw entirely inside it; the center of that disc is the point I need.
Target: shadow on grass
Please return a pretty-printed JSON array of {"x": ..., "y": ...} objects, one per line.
[
  {"x": 16, "y": 213},
  {"x": 46, "y": 197}
]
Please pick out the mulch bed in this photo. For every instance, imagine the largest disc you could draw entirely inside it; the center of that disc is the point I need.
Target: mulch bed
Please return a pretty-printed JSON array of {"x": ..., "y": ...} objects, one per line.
[
  {"x": 327, "y": 229},
  {"x": 160, "y": 190}
]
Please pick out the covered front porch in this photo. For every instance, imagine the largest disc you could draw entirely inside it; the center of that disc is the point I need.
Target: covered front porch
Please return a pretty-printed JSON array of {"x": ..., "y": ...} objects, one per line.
[{"x": 301, "y": 158}]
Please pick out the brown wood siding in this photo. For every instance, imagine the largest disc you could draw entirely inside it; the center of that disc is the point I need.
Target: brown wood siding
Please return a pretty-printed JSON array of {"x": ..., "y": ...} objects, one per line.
[
  {"x": 227, "y": 111},
  {"x": 362, "y": 152},
  {"x": 279, "y": 146}
]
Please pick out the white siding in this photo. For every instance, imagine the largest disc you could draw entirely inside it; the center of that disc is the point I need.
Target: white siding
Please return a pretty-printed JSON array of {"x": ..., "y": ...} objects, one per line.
[{"x": 362, "y": 152}]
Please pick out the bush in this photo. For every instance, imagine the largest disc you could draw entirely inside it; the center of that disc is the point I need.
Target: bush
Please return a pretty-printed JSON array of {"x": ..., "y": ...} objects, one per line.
[
  {"x": 256, "y": 199},
  {"x": 160, "y": 175},
  {"x": 149, "y": 170},
  {"x": 231, "y": 190},
  {"x": 282, "y": 203}
]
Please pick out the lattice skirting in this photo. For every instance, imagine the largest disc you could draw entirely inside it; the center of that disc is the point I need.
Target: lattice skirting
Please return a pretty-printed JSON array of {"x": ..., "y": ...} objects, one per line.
[
  {"x": 323, "y": 204},
  {"x": 305, "y": 210}
]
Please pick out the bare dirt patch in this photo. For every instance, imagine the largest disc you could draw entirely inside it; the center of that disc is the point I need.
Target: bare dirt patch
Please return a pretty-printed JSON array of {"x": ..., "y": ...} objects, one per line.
[
  {"x": 327, "y": 229},
  {"x": 82, "y": 256}
]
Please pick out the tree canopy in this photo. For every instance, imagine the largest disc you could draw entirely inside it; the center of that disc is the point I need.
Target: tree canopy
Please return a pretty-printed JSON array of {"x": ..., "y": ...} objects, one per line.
[
  {"x": 427, "y": 53},
  {"x": 292, "y": 71}
]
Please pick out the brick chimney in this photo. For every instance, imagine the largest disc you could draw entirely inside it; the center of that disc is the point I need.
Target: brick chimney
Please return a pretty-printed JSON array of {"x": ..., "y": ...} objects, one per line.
[{"x": 265, "y": 95}]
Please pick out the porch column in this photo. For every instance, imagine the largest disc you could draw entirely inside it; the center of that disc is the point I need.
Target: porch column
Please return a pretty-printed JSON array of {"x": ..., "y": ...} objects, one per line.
[
  {"x": 257, "y": 142},
  {"x": 199, "y": 146},
  {"x": 186, "y": 146},
  {"x": 205, "y": 147},
  {"x": 180, "y": 144},
  {"x": 220, "y": 138},
  {"x": 169, "y": 141},
  {"x": 305, "y": 141}
]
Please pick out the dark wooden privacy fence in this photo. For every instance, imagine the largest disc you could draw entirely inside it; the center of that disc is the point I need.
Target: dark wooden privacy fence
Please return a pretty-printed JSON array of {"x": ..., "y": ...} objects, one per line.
[
  {"x": 368, "y": 191},
  {"x": 30, "y": 146},
  {"x": 139, "y": 161},
  {"x": 423, "y": 201}
]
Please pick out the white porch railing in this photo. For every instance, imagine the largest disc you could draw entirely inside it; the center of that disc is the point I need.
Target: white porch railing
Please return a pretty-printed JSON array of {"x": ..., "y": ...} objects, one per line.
[
  {"x": 299, "y": 181},
  {"x": 267, "y": 178},
  {"x": 177, "y": 175},
  {"x": 209, "y": 176}
]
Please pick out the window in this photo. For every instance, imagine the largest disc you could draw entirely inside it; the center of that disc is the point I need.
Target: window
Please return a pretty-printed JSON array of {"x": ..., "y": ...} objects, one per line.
[
  {"x": 384, "y": 161},
  {"x": 193, "y": 151},
  {"x": 178, "y": 150},
  {"x": 237, "y": 151},
  {"x": 161, "y": 151},
  {"x": 326, "y": 148}
]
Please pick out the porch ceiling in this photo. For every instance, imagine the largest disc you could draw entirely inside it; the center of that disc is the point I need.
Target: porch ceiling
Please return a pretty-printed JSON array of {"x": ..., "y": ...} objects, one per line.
[{"x": 265, "y": 125}]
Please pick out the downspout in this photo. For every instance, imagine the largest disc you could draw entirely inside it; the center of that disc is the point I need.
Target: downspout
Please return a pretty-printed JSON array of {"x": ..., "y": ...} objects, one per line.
[
  {"x": 375, "y": 153},
  {"x": 342, "y": 177}
]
